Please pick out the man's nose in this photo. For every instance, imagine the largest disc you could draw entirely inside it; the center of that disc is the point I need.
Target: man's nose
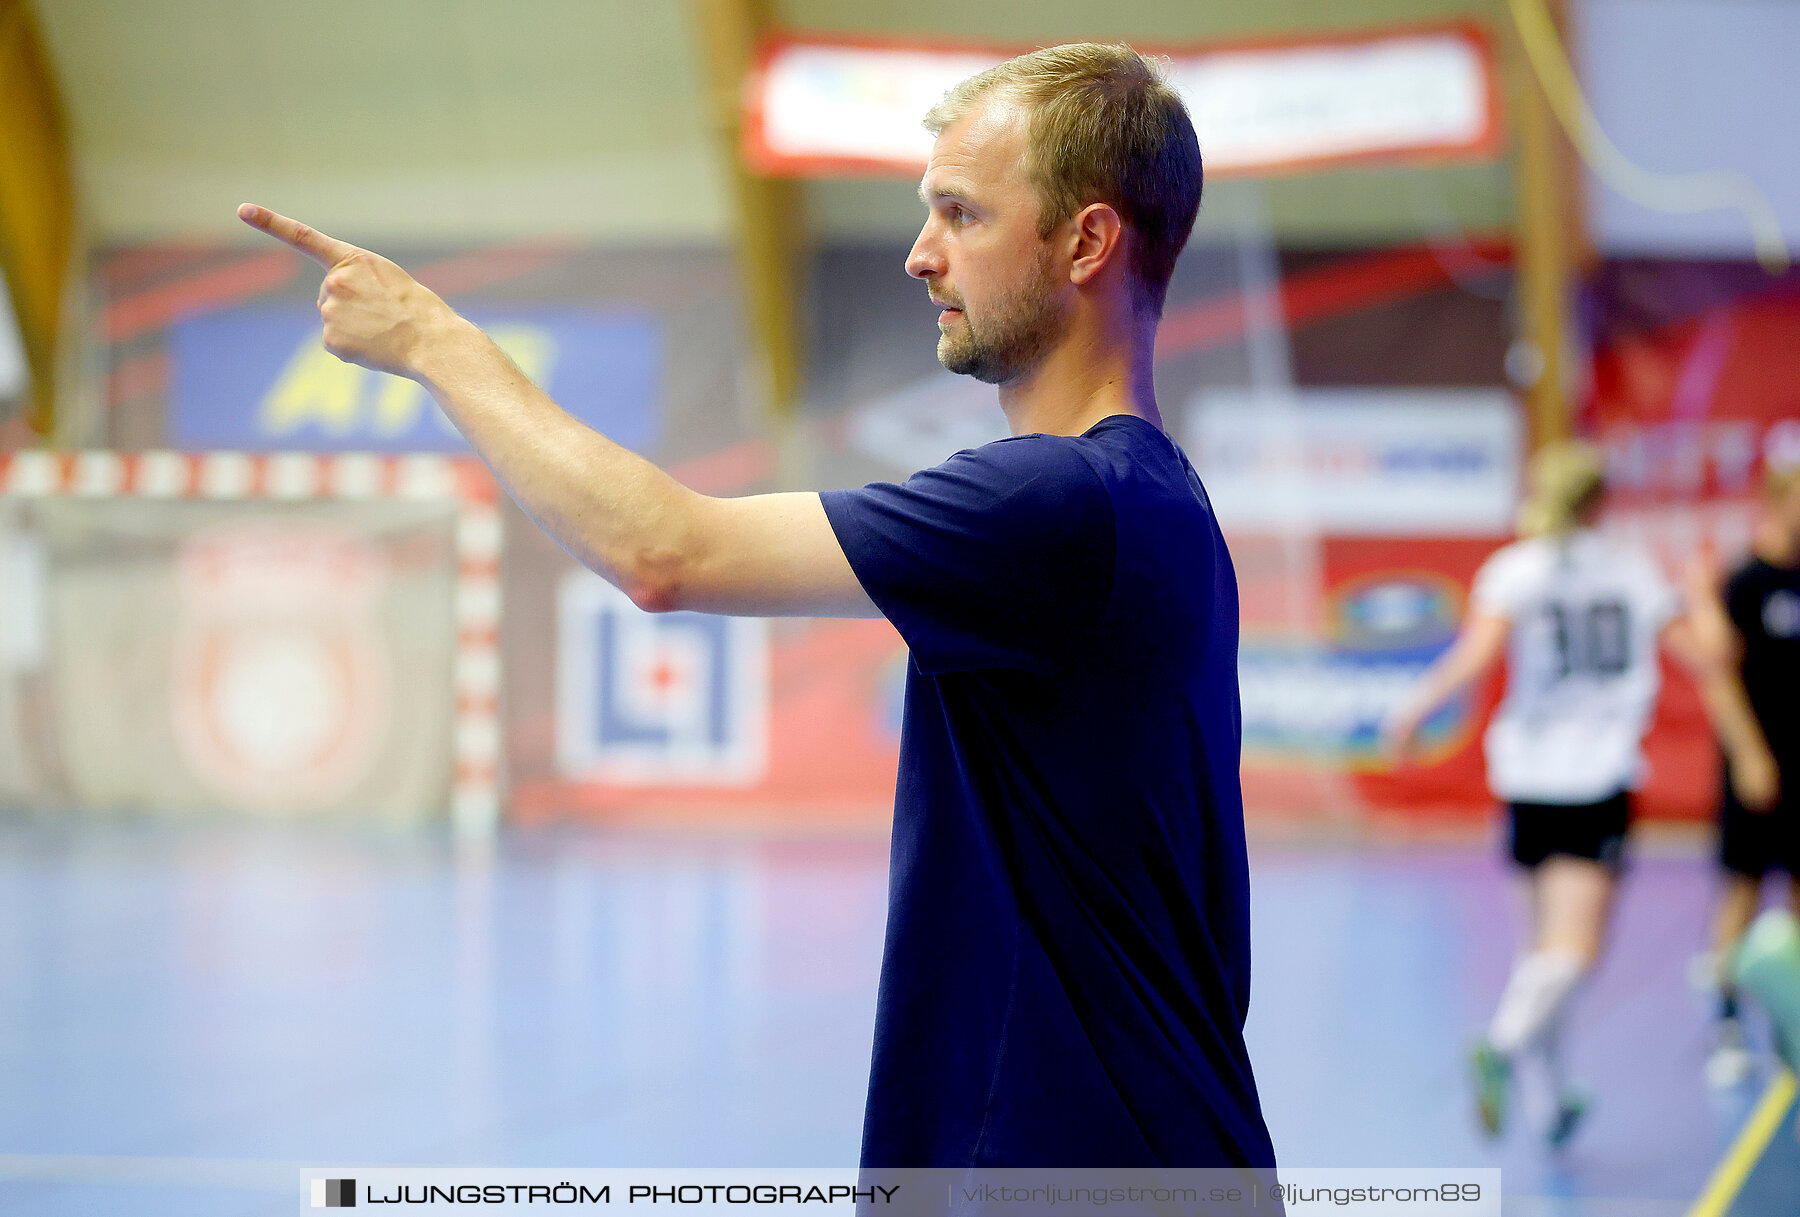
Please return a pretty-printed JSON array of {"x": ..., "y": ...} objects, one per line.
[{"x": 924, "y": 261}]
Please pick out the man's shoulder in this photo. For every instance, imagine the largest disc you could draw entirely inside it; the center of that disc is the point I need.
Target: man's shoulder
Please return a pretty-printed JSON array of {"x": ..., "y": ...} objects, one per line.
[
  {"x": 1026, "y": 450},
  {"x": 1020, "y": 462}
]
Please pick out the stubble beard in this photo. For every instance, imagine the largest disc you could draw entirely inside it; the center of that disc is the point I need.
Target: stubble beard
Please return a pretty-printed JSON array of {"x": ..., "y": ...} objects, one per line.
[{"x": 1017, "y": 330}]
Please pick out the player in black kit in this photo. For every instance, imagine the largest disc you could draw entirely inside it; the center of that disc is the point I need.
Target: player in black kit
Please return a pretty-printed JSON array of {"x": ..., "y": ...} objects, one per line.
[{"x": 1760, "y": 627}]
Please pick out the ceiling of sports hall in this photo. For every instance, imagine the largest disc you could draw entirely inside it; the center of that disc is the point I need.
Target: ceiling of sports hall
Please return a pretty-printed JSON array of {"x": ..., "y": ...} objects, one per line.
[{"x": 475, "y": 119}]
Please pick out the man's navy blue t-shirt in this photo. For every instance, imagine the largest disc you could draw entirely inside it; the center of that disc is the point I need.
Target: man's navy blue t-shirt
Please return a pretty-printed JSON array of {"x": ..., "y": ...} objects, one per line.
[{"x": 1067, "y": 965}]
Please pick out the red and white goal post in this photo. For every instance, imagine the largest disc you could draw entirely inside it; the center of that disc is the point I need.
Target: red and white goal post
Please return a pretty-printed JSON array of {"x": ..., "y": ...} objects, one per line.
[{"x": 462, "y": 483}]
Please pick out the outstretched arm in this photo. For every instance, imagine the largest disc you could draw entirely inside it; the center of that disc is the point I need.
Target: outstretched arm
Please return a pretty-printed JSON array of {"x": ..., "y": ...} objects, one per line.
[
  {"x": 664, "y": 545},
  {"x": 1477, "y": 647}
]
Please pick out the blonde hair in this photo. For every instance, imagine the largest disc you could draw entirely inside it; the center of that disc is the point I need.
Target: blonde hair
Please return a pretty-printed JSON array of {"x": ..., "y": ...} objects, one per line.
[
  {"x": 1567, "y": 479},
  {"x": 1105, "y": 127}
]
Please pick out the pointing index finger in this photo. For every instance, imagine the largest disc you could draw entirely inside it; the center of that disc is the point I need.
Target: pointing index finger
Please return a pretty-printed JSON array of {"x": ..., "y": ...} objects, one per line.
[{"x": 326, "y": 251}]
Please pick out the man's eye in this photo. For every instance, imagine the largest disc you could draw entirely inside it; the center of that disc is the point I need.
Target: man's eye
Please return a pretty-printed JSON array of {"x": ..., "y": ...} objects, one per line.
[{"x": 958, "y": 216}]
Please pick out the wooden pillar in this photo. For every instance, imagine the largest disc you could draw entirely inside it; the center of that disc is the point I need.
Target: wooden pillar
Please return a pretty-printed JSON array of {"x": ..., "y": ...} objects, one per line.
[
  {"x": 37, "y": 201},
  {"x": 767, "y": 229},
  {"x": 1551, "y": 245}
]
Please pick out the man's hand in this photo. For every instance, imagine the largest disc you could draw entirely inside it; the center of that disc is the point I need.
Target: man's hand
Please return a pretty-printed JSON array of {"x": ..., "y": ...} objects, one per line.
[{"x": 375, "y": 314}]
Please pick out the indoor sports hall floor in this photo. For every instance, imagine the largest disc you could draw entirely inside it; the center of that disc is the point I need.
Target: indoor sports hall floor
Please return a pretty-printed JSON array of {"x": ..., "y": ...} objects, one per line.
[{"x": 189, "y": 1015}]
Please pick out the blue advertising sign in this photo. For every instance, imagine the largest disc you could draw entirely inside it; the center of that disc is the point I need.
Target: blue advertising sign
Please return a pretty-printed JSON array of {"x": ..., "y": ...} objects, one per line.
[{"x": 259, "y": 379}]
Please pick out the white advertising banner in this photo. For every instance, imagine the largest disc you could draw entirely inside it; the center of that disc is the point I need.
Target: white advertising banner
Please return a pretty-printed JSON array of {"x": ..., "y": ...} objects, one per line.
[
  {"x": 818, "y": 107},
  {"x": 1348, "y": 462}
]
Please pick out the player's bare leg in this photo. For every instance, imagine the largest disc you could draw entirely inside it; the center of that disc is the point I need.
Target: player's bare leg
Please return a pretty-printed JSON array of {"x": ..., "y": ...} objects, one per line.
[
  {"x": 1730, "y": 1062},
  {"x": 1582, "y": 896},
  {"x": 1571, "y": 901},
  {"x": 1577, "y": 899}
]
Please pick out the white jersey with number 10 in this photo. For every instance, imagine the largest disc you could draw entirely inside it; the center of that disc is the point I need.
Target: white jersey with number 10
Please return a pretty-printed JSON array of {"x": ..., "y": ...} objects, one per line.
[{"x": 1582, "y": 673}]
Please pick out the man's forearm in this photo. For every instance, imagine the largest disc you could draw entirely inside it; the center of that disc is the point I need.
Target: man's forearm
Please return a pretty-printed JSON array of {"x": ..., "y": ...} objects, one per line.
[{"x": 611, "y": 509}]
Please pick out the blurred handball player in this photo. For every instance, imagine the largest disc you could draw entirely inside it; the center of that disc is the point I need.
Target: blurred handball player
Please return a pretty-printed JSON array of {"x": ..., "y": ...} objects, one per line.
[
  {"x": 1755, "y": 628},
  {"x": 1580, "y": 617}
]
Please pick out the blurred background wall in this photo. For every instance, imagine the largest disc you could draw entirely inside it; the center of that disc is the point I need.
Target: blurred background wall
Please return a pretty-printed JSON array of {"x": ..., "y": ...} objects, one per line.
[{"x": 1357, "y": 355}]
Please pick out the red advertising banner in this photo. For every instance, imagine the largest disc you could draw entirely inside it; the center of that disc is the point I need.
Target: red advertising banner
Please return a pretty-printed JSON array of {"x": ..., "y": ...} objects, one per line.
[{"x": 1691, "y": 411}]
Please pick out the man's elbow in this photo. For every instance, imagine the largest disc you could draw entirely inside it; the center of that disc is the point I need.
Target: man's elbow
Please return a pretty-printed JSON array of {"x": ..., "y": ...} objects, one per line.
[
  {"x": 654, "y": 598},
  {"x": 656, "y": 582}
]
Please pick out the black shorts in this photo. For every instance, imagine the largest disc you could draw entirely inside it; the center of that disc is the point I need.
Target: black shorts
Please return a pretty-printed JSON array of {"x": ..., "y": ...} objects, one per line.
[
  {"x": 1751, "y": 843},
  {"x": 1595, "y": 831}
]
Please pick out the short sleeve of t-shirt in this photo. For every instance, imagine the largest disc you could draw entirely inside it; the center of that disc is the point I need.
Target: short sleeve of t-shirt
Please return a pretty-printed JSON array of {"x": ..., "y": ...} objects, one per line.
[
  {"x": 1503, "y": 583},
  {"x": 1001, "y": 557}
]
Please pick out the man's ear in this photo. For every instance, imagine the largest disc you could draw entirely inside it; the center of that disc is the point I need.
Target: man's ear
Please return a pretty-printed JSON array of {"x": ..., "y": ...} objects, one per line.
[{"x": 1099, "y": 241}]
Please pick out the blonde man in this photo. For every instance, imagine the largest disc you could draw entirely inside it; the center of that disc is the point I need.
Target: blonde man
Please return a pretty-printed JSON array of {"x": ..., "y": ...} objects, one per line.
[
  {"x": 1066, "y": 970},
  {"x": 1580, "y": 617}
]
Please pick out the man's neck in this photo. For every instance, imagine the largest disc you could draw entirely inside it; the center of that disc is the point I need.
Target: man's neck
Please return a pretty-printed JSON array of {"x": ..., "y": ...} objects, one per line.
[{"x": 1085, "y": 379}]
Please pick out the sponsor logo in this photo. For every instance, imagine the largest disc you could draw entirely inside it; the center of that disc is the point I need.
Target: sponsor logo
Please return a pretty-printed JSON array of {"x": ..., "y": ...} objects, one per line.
[
  {"x": 1394, "y": 612},
  {"x": 647, "y": 699},
  {"x": 1327, "y": 700},
  {"x": 258, "y": 378},
  {"x": 1358, "y": 462}
]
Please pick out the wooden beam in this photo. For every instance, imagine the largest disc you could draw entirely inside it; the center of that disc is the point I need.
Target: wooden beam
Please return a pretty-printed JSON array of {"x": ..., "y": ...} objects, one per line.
[
  {"x": 767, "y": 228},
  {"x": 1551, "y": 245},
  {"x": 37, "y": 201}
]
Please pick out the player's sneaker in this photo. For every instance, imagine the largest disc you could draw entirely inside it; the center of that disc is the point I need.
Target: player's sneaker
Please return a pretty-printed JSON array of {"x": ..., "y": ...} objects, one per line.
[
  {"x": 1493, "y": 1075},
  {"x": 1571, "y": 1106},
  {"x": 1730, "y": 1063},
  {"x": 1703, "y": 972}
]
